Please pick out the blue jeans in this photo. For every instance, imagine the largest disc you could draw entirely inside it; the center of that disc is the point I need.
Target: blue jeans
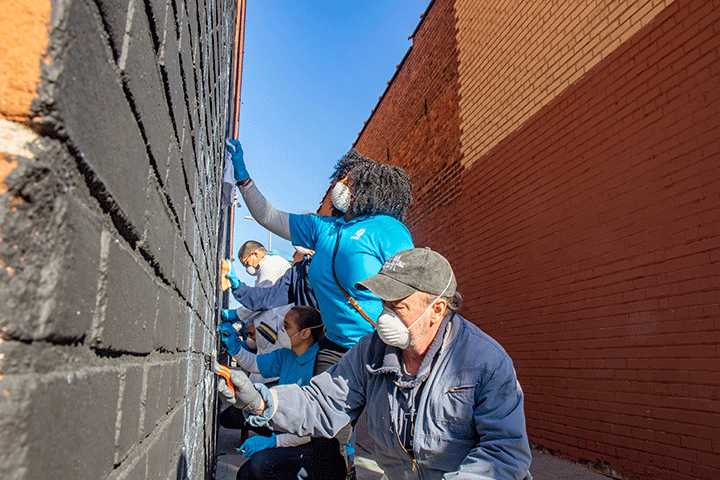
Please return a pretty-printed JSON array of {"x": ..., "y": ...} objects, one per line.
[{"x": 277, "y": 463}]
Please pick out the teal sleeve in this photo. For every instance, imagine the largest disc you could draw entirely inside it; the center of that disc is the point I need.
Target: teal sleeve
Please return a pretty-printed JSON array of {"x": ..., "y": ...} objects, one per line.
[
  {"x": 395, "y": 239},
  {"x": 303, "y": 230},
  {"x": 269, "y": 364}
]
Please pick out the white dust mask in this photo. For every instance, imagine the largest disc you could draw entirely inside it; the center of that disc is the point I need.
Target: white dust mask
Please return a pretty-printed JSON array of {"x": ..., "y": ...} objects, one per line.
[
  {"x": 250, "y": 269},
  {"x": 391, "y": 328},
  {"x": 340, "y": 196},
  {"x": 285, "y": 340},
  {"x": 251, "y": 344}
]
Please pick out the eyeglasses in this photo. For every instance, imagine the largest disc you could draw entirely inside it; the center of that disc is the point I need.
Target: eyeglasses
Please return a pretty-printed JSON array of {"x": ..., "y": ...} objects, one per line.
[{"x": 244, "y": 260}]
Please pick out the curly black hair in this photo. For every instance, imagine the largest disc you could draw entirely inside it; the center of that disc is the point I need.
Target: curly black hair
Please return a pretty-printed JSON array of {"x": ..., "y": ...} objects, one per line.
[{"x": 377, "y": 188}]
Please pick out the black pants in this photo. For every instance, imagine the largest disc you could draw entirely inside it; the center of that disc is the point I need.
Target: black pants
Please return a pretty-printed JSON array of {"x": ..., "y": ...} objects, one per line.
[
  {"x": 232, "y": 418},
  {"x": 276, "y": 463},
  {"x": 328, "y": 458}
]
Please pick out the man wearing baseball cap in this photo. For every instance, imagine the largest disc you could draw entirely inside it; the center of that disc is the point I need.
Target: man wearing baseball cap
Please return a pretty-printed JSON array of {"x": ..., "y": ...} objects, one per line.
[{"x": 442, "y": 397}]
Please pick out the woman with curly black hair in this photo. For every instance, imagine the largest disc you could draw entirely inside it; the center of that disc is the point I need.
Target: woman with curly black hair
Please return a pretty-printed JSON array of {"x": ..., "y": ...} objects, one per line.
[{"x": 369, "y": 202}]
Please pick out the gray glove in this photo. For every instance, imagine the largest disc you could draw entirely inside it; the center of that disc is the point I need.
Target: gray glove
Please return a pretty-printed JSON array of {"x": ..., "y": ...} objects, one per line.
[{"x": 245, "y": 397}]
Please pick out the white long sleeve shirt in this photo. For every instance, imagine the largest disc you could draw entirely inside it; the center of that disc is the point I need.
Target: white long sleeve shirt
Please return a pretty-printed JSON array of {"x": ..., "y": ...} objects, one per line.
[{"x": 270, "y": 270}]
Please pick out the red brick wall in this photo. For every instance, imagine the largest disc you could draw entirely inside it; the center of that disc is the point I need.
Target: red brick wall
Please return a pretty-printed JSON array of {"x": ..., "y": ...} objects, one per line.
[
  {"x": 599, "y": 258},
  {"x": 417, "y": 126},
  {"x": 25, "y": 25},
  {"x": 587, "y": 241}
]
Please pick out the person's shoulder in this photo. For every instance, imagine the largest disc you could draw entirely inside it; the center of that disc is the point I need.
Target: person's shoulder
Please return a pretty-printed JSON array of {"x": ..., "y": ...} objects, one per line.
[
  {"x": 370, "y": 349},
  {"x": 312, "y": 218},
  {"x": 277, "y": 260},
  {"x": 269, "y": 357},
  {"x": 382, "y": 220},
  {"x": 278, "y": 356},
  {"x": 472, "y": 337},
  {"x": 284, "y": 354},
  {"x": 385, "y": 224}
]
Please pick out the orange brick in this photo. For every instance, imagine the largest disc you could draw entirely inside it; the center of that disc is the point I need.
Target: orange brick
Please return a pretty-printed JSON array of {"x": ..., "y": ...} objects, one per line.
[{"x": 23, "y": 44}]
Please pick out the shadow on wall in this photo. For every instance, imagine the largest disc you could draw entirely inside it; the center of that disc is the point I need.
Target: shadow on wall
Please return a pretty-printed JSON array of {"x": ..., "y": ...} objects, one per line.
[{"x": 182, "y": 468}]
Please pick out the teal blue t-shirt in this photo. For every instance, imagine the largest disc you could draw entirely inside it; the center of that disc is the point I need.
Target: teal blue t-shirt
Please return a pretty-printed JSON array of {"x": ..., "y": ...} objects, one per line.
[
  {"x": 365, "y": 244},
  {"x": 290, "y": 368}
]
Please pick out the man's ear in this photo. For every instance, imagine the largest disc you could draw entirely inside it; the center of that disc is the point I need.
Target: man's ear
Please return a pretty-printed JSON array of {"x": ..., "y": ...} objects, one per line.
[
  {"x": 305, "y": 333},
  {"x": 439, "y": 308}
]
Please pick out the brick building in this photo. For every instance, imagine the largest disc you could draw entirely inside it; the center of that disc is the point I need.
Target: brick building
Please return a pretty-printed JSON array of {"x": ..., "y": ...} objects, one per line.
[
  {"x": 566, "y": 158},
  {"x": 112, "y": 120}
]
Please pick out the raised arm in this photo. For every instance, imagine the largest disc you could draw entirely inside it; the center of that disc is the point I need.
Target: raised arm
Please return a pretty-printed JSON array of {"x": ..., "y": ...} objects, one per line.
[
  {"x": 262, "y": 211},
  {"x": 322, "y": 408}
]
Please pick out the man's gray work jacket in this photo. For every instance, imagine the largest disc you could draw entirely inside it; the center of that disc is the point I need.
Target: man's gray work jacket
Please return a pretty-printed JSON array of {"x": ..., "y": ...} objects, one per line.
[{"x": 470, "y": 422}]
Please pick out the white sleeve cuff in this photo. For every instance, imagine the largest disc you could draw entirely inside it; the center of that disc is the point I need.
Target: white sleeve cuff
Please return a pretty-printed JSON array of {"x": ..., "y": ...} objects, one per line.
[{"x": 290, "y": 440}]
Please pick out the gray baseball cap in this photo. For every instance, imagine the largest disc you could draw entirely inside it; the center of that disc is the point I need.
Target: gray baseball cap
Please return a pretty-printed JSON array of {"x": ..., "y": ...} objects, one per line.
[{"x": 409, "y": 271}]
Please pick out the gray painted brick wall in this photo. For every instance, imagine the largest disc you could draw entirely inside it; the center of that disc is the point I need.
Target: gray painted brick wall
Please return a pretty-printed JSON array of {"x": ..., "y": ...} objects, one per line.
[{"x": 109, "y": 245}]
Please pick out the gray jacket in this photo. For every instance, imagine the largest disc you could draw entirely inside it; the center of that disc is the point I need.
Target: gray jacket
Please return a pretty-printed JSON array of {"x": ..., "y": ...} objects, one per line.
[{"x": 470, "y": 423}]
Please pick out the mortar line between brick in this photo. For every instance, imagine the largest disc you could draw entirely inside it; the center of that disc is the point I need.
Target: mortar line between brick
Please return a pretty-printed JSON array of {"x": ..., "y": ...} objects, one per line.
[
  {"x": 144, "y": 446},
  {"x": 118, "y": 419},
  {"x": 101, "y": 298},
  {"x": 122, "y": 61},
  {"x": 99, "y": 192},
  {"x": 143, "y": 401}
]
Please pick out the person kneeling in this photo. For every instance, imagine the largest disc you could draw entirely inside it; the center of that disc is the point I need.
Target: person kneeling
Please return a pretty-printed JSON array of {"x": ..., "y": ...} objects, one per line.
[{"x": 283, "y": 455}]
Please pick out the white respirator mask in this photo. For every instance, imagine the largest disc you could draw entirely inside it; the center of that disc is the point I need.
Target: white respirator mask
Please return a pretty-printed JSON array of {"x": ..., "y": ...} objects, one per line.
[
  {"x": 251, "y": 344},
  {"x": 393, "y": 331},
  {"x": 340, "y": 196},
  {"x": 251, "y": 270},
  {"x": 284, "y": 339}
]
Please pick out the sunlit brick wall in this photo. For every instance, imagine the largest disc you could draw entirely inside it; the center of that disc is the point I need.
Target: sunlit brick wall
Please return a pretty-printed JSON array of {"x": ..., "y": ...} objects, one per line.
[
  {"x": 574, "y": 164},
  {"x": 516, "y": 57}
]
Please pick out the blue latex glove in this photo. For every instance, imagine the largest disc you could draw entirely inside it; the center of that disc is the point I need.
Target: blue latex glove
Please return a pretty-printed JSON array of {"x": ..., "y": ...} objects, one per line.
[
  {"x": 256, "y": 444},
  {"x": 229, "y": 315},
  {"x": 229, "y": 337},
  {"x": 234, "y": 280},
  {"x": 233, "y": 152}
]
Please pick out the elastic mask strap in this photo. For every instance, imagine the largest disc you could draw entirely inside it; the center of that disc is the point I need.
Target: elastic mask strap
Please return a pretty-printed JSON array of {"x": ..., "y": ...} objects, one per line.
[{"x": 433, "y": 302}]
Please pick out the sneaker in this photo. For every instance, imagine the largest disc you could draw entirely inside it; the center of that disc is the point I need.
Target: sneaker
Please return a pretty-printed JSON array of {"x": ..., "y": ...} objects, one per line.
[{"x": 351, "y": 475}]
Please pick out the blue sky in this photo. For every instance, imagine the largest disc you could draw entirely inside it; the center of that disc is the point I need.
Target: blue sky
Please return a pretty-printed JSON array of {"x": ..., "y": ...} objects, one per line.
[{"x": 312, "y": 73}]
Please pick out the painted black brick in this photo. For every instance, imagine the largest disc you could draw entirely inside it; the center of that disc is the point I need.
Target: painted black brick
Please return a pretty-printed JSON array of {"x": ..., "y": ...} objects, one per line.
[
  {"x": 160, "y": 230},
  {"x": 76, "y": 292},
  {"x": 131, "y": 293},
  {"x": 96, "y": 115},
  {"x": 73, "y": 415}
]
